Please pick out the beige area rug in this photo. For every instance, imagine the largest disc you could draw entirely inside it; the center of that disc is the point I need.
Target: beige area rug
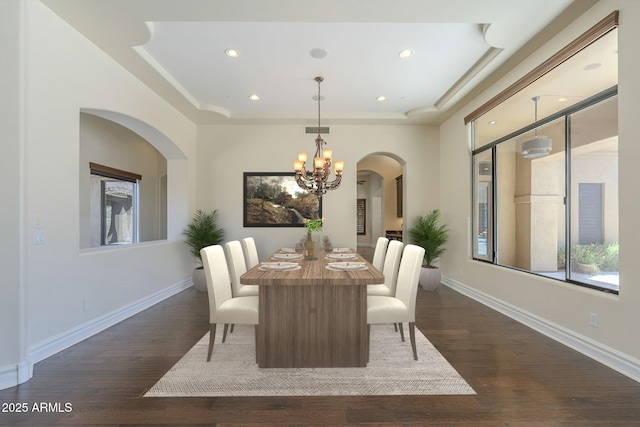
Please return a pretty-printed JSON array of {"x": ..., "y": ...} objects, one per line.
[{"x": 233, "y": 371}]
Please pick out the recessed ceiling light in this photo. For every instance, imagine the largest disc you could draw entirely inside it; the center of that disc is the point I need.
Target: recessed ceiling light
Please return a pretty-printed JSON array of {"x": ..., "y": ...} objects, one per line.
[
  {"x": 318, "y": 53},
  {"x": 381, "y": 98},
  {"x": 254, "y": 97},
  {"x": 493, "y": 122},
  {"x": 562, "y": 99},
  {"x": 232, "y": 53},
  {"x": 406, "y": 53},
  {"x": 592, "y": 66}
]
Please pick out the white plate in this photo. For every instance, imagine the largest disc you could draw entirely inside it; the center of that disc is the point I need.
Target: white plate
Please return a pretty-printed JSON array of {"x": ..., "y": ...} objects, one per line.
[
  {"x": 279, "y": 266},
  {"x": 336, "y": 250},
  {"x": 288, "y": 249},
  {"x": 287, "y": 256},
  {"x": 341, "y": 256},
  {"x": 347, "y": 266}
]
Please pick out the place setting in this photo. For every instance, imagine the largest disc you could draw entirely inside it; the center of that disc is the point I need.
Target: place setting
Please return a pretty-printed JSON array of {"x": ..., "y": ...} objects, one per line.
[
  {"x": 341, "y": 256},
  {"x": 347, "y": 266},
  {"x": 287, "y": 256},
  {"x": 279, "y": 266},
  {"x": 341, "y": 250}
]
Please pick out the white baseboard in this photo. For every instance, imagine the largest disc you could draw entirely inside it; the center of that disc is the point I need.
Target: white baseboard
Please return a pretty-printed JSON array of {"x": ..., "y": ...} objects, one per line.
[
  {"x": 614, "y": 359},
  {"x": 73, "y": 336},
  {"x": 8, "y": 376},
  {"x": 13, "y": 375},
  {"x": 25, "y": 372}
]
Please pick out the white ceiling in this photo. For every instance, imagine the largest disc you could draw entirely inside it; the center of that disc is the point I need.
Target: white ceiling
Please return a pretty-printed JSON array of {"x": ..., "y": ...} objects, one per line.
[{"x": 177, "y": 48}]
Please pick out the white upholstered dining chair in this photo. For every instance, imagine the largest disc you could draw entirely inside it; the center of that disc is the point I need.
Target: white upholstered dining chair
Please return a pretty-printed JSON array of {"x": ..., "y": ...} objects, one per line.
[
  {"x": 401, "y": 307},
  {"x": 223, "y": 307},
  {"x": 390, "y": 271},
  {"x": 237, "y": 267},
  {"x": 379, "y": 252},
  {"x": 250, "y": 252}
]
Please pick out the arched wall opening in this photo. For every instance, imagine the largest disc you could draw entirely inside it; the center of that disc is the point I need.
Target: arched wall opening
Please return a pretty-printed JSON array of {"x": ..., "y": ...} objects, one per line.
[
  {"x": 380, "y": 184},
  {"x": 165, "y": 205}
]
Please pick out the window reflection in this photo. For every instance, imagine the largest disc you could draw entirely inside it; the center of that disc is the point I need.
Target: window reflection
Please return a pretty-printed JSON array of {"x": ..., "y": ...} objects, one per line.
[
  {"x": 594, "y": 236},
  {"x": 482, "y": 215},
  {"x": 118, "y": 216},
  {"x": 530, "y": 203}
]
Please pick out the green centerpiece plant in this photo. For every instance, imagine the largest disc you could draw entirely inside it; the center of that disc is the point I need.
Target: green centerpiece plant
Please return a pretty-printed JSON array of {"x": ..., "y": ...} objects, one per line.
[{"x": 312, "y": 225}]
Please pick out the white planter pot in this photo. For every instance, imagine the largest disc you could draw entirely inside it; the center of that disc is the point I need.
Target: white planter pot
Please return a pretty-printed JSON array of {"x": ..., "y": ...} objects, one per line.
[
  {"x": 199, "y": 280},
  {"x": 429, "y": 278}
]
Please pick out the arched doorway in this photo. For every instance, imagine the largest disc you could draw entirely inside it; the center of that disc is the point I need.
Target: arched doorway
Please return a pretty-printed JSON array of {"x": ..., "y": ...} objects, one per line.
[{"x": 380, "y": 196}]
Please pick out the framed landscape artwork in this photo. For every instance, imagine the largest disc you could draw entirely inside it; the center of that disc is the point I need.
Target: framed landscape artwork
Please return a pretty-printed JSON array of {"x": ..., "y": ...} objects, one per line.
[{"x": 274, "y": 199}]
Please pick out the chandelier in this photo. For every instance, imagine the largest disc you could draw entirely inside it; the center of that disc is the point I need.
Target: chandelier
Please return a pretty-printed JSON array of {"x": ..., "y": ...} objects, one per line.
[
  {"x": 539, "y": 146},
  {"x": 317, "y": 181}
]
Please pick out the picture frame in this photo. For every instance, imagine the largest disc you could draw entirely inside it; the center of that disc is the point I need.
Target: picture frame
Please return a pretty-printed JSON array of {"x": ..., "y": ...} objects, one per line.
[{"x": 274, "y": 199}]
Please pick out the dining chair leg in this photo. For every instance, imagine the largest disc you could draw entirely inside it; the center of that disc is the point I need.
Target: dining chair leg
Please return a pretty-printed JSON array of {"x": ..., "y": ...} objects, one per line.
[
  {"x": 224, "y": 332},
  {"x": 368, "y": 340},
  {"x": 231, "y": 331},
  {"x": 395, "y": 327},
  {"x": 256, "y": 344},
  {"x": 212, "y": 338},
  {"x": 401, "y": 331},
  {"x": 412, "y": 336}
]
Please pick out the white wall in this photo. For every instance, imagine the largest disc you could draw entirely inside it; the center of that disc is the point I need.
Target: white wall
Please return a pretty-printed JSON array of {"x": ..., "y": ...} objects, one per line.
[
  {"x": 67, "y": 289},
  {"x": 226, "y": 151},
  {"x": 560, "y": 309},
  {"x": 10, "y": 191}
]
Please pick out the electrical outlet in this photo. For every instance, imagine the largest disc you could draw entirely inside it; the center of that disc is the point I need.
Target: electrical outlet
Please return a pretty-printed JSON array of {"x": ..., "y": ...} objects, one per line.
[{"x": 593, "y": 320}]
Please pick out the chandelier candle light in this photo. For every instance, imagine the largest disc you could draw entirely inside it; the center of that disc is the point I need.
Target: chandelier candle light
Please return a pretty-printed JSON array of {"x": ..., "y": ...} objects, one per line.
[{"x": 317, "y": 182}]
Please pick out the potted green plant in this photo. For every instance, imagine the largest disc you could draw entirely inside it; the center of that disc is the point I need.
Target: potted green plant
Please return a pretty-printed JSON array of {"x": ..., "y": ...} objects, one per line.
[
  {"x": 201, "y": 232},
  {"x": 429, "y": 234}
]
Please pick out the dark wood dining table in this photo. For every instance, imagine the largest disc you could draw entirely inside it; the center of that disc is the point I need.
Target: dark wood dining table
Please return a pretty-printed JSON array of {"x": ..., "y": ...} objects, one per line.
[{"x": 312, "y": 316}]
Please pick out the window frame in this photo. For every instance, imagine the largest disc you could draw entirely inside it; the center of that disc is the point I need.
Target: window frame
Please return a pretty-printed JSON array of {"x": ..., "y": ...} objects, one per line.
[
  {"x": 491, "y": 240},
  {"x": 602, "y": 28}
]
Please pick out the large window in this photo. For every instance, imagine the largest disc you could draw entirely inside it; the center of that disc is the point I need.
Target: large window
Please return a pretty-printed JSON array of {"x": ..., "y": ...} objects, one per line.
[{"x": 554, "y": 212}]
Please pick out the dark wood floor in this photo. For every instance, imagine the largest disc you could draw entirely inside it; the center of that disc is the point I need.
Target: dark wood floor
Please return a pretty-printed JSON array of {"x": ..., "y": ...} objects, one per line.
[{"x": 521, "y": 378}]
